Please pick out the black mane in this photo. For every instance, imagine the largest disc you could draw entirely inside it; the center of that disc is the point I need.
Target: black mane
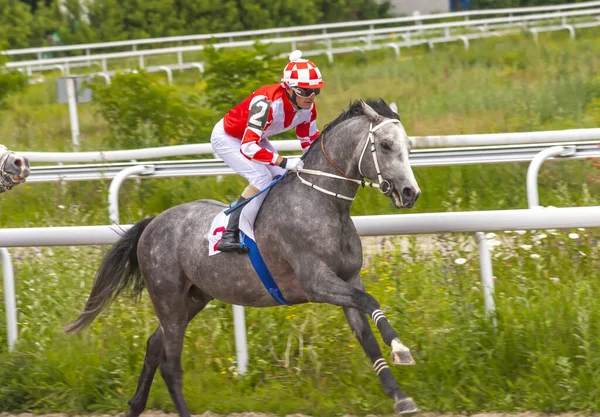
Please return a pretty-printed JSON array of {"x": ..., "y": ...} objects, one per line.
[{"x": 355, "y": 109}]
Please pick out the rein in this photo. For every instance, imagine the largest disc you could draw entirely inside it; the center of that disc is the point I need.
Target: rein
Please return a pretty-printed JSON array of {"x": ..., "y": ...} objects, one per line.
[{"x": 384, "y": 186}]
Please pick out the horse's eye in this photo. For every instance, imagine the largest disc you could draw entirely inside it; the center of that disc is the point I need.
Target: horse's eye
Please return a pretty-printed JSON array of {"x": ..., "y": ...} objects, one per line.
[{"x": 386, "y": 146}]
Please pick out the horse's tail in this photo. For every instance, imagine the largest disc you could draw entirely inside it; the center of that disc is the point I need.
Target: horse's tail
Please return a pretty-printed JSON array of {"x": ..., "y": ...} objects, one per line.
[{"x": 119, "y": 270}]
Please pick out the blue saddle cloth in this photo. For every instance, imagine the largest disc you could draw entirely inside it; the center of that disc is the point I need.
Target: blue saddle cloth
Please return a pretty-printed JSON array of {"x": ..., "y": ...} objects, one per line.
[{"x": 262, "y": 270}]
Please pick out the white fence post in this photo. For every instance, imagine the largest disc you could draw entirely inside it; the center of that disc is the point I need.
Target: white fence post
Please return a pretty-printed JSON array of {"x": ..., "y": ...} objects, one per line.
[
  {"x": 487, "y": 276},
  {"x": 534, "y": 168},
  {"x": 115, "y": 185},
  {"x": 9, "y": 298},
  {"x": 241, "y": 345},
  {"x": 72, "y": 99}
]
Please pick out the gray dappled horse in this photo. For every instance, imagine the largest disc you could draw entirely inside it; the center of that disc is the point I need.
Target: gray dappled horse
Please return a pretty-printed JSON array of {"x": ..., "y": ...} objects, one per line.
[
  {"x": 307, "y": 240},
  {"x": 14, "y": 169}
]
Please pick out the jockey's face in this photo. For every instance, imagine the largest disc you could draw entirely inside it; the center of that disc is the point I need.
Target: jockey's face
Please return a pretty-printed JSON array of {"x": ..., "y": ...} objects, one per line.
[{"x": 304, "y": 97}]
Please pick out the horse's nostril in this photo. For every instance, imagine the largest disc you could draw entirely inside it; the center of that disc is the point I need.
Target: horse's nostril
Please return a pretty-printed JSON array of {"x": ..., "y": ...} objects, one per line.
[
  {"x": 408, "y": 192},
  {"x": 19, "y": 162}
]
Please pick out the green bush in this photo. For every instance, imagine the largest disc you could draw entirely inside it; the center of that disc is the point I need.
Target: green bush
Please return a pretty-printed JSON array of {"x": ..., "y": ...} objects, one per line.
[
  {"x": 10, "y": 81},
  {"x": 144, "y": 111}
]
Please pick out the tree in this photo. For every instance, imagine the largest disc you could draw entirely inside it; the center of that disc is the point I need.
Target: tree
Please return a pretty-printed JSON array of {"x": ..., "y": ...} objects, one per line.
[
  {"x": 233, "y": 74},
  {"x": 107, "y": 19},
  {"x": 15, "y": 23},
  {"x": 346, "y": 10},
  {"x": 209, "y": 16},
  {"x": 47, "y": 20}
]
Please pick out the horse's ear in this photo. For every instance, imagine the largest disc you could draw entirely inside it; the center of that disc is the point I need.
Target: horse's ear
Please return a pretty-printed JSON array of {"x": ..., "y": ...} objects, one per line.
[
  {"x": 394, "y": 107},
  {"x": 369, "y": 112}
]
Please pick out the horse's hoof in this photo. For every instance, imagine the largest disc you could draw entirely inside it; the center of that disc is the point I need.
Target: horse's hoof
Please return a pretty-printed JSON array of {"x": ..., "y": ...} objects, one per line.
[
  {"x": 402, "y": 357},
  {"x": 401, "y": 354},
  {"x": 406, "y": 406}
]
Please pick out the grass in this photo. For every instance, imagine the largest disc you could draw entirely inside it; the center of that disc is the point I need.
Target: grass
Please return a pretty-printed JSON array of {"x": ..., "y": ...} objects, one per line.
[{"x": 304, "y": 359}]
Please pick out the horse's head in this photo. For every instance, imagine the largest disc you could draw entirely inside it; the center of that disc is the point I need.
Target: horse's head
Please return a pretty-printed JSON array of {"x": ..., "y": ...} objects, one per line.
[
  {"x": 14, "y": 169},
  {"x": 367, "y": 141},
  {"x": 384, "y": 158}
]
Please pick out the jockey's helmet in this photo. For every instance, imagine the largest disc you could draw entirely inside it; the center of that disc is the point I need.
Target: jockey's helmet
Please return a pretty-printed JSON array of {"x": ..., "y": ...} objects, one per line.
[{"x": 301, "y": 73}]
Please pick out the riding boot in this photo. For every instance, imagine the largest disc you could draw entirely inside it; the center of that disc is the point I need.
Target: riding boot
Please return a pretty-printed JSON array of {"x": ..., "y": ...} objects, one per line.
[{"x": 230, "y": 241}]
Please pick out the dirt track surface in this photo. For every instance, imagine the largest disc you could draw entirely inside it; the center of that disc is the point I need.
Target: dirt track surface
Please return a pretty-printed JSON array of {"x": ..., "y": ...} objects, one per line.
[{"x": 211, "y": 414}]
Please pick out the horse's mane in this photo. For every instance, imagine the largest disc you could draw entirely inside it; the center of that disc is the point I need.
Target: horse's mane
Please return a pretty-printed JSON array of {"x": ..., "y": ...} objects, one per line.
[{"x": 355, "y": 109}]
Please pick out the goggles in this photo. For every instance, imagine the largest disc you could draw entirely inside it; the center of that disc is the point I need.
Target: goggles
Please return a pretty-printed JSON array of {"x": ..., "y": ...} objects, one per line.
[{"x": 306, "y": 92}]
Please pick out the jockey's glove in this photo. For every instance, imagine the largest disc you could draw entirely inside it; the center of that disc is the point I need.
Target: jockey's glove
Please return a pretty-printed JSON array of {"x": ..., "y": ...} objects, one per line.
[{"x": 292, "y": 164}]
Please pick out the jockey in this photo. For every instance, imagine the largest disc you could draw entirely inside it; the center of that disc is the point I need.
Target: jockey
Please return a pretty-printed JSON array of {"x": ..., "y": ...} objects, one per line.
[{"x": 241, "y": 138}]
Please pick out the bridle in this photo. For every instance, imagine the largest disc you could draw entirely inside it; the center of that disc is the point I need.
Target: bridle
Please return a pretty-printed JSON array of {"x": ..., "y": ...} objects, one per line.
[{"x": 384, "y": 186}]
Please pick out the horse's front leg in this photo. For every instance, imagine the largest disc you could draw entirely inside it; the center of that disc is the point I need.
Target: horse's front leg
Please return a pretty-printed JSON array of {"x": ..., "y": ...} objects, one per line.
[
  {"x": 323, "y": 286},
  {"x": 359, "y": 324}
]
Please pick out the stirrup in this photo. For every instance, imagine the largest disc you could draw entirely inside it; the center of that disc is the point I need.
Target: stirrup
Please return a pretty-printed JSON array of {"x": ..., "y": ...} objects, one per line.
[{"x": 235, "y": 246}]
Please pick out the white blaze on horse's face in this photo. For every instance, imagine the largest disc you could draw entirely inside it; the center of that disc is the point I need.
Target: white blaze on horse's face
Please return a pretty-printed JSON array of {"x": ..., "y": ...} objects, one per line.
[{"x": 392, "y": 146}]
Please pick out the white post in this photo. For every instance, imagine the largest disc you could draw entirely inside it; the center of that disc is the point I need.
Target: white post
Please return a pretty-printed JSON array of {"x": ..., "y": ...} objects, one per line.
[
  {"x": 169, "y": 73},
  {"x": 9, "y": 298},
  {"x": 72, "y": 100},
  {"x": 180, "y": 60},
  {"x": 487, "y": 275},
  {"x": 418, "y": 22},
  {"x": 241, "y": 346},
  {"x": 115, "y": 185},
  {"x": 533, "y": 200}
]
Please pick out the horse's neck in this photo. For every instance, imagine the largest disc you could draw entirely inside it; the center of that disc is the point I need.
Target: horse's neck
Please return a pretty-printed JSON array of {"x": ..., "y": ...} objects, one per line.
[{"x": 335, "y": 153}]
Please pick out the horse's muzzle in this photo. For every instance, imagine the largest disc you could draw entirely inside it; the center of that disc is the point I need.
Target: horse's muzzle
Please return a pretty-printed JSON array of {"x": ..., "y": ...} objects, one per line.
[
  {"x": 20, "y": 166},
  {"x": 406, "y": 198}
]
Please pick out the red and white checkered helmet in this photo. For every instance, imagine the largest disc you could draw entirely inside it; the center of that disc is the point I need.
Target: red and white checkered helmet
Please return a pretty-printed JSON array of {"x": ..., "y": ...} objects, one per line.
[{"x": 301, "y": 73}]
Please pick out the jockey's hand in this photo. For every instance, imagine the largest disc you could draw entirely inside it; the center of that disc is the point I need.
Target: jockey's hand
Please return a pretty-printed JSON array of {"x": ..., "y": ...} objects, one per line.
[{"x": 292, "y": 164}]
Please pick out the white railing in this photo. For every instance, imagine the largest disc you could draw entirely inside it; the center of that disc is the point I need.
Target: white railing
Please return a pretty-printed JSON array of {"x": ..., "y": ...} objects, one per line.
[
  {"x": 419, "y": 142},
  {"x": 405, "y": 224},
  {"x": 87, "y": 48},
  {"x": 293, "y": 42},
  {"x": 211, "y": 167}
]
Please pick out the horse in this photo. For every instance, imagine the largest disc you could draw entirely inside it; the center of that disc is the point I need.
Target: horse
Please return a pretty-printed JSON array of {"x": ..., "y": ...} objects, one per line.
[
  {"x": 14, "y": 169},
  {"x": 306, "y": 237}
]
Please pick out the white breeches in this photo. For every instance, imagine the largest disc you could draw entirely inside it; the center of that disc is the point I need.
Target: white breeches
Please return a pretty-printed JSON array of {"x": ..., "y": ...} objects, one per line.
[{"x": 228, "y": 149}]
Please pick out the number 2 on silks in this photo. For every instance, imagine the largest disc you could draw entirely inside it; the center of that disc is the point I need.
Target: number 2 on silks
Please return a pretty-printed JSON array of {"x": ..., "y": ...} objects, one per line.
[{"x": 259, "y": 114}]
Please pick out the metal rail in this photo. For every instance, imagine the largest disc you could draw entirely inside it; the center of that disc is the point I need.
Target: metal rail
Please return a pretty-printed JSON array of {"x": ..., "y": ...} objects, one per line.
[
  {"x": 298, "y": 29},
  {"x": 211, "y": 167},
  {"x": 294, "y": 40}
]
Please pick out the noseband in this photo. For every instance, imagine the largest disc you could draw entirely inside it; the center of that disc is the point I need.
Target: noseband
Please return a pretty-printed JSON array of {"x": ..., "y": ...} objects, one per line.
[{"x": 384, "y": 186}]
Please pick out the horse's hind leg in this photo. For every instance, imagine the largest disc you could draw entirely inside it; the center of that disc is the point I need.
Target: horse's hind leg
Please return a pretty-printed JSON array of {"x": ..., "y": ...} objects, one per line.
[
  {"x": 195, "y": 301},
  {"x": 359, "y": 324}
]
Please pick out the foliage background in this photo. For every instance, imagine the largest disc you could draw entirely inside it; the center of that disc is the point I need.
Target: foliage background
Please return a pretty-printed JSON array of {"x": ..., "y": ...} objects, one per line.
[{"x": 27, "y": 23}]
